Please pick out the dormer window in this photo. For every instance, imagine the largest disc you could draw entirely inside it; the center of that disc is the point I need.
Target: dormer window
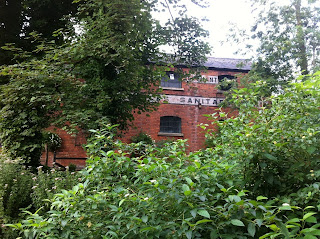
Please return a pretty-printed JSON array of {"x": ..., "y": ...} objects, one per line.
[{"x": 171, "y": 80}]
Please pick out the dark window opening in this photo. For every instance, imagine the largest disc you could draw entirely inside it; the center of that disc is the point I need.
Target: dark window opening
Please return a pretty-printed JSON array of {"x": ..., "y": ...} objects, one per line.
[
  {"x": 226, "y": 81},
  {"x": 171, "y": 80},
  {"x": 170, "y": 124}
]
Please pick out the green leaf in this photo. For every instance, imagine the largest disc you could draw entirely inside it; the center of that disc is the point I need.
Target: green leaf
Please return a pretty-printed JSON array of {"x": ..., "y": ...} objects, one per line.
[
  {"x": 274, "y": 227},
  {"x": 251, "y": 229},
  {"x": 311, "y": 149},
  {"x": 309, "y": 230},
  {"x": 261, "y": 198},
  {"x": 189, "y": 234},
  {"x": 186, "y": 189},
  {"x": 203, "y": 213},
  {"x": 189, "y": 181},
  {"x": 198, "y": 165},
  {"x": 271, "y": 157},
  {"x": 310, "y": 237},
  {"x": 144, "y": 218},
  {"x": 214, "y": 234},
  {"x": 121, "y": 202},
  {"x": 309, "y": 214},
  {"x": 259, "y": 222},
  {"x": 193, "y": 212},
  {"x": 283, "y": 230},
  {"x": 311, "y": 219},
  {"x": 237, "y": 222},
  {"x": 203, "y": 221}
]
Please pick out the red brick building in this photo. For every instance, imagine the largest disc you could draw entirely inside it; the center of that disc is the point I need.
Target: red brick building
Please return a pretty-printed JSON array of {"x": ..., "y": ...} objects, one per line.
[
  {"x": 178, "y": 116},
  {"x": 187, "y": 103}
]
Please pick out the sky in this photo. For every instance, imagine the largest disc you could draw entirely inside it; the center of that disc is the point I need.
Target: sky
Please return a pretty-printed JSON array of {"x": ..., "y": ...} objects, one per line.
[{"x": 222, "y": 14}]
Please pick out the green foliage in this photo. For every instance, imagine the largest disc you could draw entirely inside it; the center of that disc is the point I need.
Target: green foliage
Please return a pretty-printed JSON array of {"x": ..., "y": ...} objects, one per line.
[
  {"x": 178, "y": 196},
  {"x": 15, "y": 187},
  {"x": 53, "y": 141},
  {"x": 48, "y": 182},
  {"x": 274, "y": 139},
  {"x": 142, "y": 137},
  {"x": 20, "y": 18},
  {"x": 29, "y": 104},
  {"x": 164, "y": 142},
  {"x": 110, "y": 69},
  {"x": 21, "y": 188},
  {"x": 287, "y": 35}
]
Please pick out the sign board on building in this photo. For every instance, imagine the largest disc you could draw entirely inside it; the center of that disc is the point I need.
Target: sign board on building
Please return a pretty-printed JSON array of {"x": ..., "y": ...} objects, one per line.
[{"x": 192, "y": 100}]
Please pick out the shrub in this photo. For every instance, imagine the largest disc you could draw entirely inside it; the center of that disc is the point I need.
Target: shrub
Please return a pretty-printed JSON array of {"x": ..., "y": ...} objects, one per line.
[
  {"x": 21, "y": 189},
  {"x": 142, "y": 137},
  {"x": 53, "y": 141},
  {"x": 178, "y": 196},
  {"x": 15, "y": 190},
  {"x": 276, "y": 144},
  {"x": 46, "y": 183}
]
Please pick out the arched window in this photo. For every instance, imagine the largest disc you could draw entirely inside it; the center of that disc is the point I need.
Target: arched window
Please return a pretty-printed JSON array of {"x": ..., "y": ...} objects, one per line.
[{"x": 170, "y": 124}]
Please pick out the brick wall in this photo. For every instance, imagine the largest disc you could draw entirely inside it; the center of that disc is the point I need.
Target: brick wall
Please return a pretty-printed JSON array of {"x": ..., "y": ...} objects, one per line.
[
  {"x": 71, "y": 150},
  {"x": 191, "y": 116}
]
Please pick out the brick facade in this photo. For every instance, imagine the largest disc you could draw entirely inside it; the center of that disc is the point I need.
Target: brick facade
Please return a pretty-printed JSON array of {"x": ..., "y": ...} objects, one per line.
[
  {"x": 192, "y": 115},
  {"x": 190, "y": 103}
]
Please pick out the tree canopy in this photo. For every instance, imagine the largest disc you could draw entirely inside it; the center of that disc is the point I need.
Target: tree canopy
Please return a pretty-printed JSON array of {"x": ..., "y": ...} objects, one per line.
[
  {"x": 20, "y": 18},
  {"x": 288, "y": 38},
  {"x": 112, "y": 67}
]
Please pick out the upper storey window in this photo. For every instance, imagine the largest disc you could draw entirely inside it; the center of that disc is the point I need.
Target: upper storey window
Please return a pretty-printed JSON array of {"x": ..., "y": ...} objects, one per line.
[
  {"x": 226, "y": 81},
  {"x": 171, "y": 80}
]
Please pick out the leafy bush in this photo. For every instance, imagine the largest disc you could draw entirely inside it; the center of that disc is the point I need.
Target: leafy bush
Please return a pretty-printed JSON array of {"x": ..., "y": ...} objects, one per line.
[
  {"x": 21, "y": 188},
  {"x": 142, "y": 137},
  {"x": 275, "y": 139},
  {"x": 46, "y": 183},
  {"x": 272, "y": 149},
  {"x": 53, "y": 141},
  {"x": 15, "y": 190},
  {"x": 151, "y": 196}
]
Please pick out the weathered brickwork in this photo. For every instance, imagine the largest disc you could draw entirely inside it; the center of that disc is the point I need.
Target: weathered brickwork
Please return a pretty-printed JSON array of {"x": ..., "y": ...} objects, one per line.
[
  {"x": 70, "y": 152},
  {"x": 191, "y": 115},
  {"x": 190, "y": 102}
]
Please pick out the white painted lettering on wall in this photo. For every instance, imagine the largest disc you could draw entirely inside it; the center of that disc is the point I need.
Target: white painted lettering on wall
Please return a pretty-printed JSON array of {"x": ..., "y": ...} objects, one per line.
[{"x": 192, "y": 100}]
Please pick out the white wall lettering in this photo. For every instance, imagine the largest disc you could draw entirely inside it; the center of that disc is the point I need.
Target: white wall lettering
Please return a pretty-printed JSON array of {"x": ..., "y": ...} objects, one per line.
[{"x": 191, "y": 100}]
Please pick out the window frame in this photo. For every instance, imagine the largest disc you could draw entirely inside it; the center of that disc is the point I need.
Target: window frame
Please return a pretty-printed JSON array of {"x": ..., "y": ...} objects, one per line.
[
  {"x": 170, "y": 126},
  {"x": 168, "y": 83}
]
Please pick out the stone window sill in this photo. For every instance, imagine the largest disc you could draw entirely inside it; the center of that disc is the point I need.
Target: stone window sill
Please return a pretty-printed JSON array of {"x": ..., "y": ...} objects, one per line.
[
  {"x": 170, "y": 134},
  {"x": 172, "y": 88}
]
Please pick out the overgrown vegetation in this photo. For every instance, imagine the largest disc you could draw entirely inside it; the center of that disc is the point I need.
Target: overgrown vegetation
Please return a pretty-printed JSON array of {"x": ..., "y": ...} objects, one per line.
[
  {"x": 219, "y": 192},
  {"x": 22, "y": 187},
  {"x": 109, "y": 69}
]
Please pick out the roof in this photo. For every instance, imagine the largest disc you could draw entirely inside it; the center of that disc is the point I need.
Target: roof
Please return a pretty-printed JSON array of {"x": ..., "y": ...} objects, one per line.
[{"x": 228, "y": 63}]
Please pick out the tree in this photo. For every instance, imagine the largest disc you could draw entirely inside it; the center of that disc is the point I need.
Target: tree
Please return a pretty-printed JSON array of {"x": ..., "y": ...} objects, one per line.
[
  {"x": 288, "y": 38},
  {"x": 108, "y": 70},
  {"x": 10, "y": 26},
  {"x": 291, "y": 37},
  {"x": 20, "y": 18}
]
